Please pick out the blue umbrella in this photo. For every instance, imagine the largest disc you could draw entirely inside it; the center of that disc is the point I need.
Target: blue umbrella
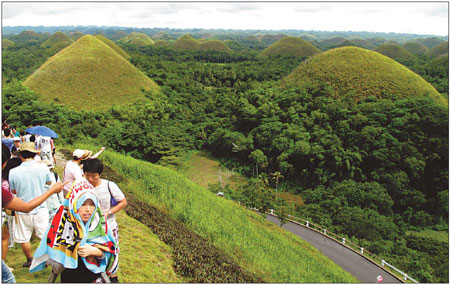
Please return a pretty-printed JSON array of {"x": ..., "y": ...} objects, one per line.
[{"x": 42, "y": 131}]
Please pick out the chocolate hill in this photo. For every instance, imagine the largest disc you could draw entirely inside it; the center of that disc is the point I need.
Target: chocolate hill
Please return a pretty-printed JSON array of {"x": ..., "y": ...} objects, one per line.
[
  {"x": 89, "y": 75},
  {"x": 58, "y": 40},
  {"x": 359, "y": 73},
  {"x": 290, "y": 46}
]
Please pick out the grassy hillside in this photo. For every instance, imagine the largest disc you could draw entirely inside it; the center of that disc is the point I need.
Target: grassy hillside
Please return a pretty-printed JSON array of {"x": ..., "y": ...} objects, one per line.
[
  {"x": 440, "y": 49},
  {"x": 138, "y": 39},
  {"x": 112, "y": 45},
  {"x": 359, "y": 73},
  {"x": 89, "y": 75},
  {"x": 186, "y": 42},
  {"x": 254, "y": 243},
  {"x": 395, "y": 52},
  {"x": 75, "y": 35},
  {"x": 290, "y": 46},
  {"x": 58, "y": 40},
  {"x": 6, "y": 43},
  {"x": 415, "y": 48},
  {"x": 430, "y": 42},
  {"x": 161, "y": 43},
  {"x": 214, "y": 45}
]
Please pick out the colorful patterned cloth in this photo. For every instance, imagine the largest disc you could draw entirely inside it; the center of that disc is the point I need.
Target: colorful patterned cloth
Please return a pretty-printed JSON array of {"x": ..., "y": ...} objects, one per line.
[{"x": 67, "y": 232}]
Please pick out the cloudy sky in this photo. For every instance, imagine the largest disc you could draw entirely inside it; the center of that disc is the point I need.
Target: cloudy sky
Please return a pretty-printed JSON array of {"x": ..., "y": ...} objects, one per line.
[{"x": 429, "y": 18}]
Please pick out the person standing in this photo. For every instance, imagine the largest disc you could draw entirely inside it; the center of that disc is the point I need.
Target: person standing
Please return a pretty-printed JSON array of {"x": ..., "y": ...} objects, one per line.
[
  {"x": 72, "y": 170},
  {"x": 105, "y": 191},
  {"x": 8, "y": 139},
  {"x": 28, "y": 181},
  {"x": 44, "y": 145}
]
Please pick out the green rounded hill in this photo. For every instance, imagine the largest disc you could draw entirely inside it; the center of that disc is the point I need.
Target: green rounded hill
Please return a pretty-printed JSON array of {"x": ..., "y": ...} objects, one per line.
[
  {"x": 58, "y": 40},
  {"x": 214, "y": 45},
  {"x": 27, "y": 35},
  {"x": 357, "y": 43},
  {"x": 186, "y": 42},
  {"x": 395, "y": 52},
  {"x": 430, "y": 42},
  {"x": 112, "y": 45},
  {"x": 360, "y": 73},
  {"x": 138, "y": 39},
  {"x": 89, "y": 75},
  {"x": 161, "y": 43},
  {"x": 290, "y": 46},
  {"x": 76, "y": 35},
  {"x": 415, "y": 48},
  {"x": 119, "y": 35},
  {"x": 439, "y": 50},
  {"x": 6, "y": 43}
]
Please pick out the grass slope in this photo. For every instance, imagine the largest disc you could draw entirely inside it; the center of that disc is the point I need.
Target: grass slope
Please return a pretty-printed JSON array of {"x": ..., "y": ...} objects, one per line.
[
  {"x": 186, "y": 42},
  {"x": 6, "y": 43},
  {"x": 415, "y": 48},
  {"x": 112, "y": 45},
  {"x": 214, "y": 45},
  {"x": 138, "y": 39},
  {"x": 440, "y": 49},
  {"x": 290, "y": 46},
  {"x": 58, "y": 40},
  {"x": 364, "y": 72},
  {"x": 254, "y": 243},
  {"x": 89, "y": 75},
  {"x": 147, "y": 261},
  {"x": 395, "y": 52}
]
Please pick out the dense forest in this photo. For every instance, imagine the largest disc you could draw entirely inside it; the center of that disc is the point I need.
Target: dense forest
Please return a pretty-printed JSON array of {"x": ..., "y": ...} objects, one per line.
[{"x": 375, "y": 171}]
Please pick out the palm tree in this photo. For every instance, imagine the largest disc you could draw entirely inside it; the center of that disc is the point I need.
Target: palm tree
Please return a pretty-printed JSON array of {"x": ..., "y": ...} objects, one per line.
[{"x": 276, "y": 176}]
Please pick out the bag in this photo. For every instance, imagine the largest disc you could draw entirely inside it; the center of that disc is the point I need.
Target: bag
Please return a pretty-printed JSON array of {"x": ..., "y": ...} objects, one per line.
[{"x": 113, "y": 201}]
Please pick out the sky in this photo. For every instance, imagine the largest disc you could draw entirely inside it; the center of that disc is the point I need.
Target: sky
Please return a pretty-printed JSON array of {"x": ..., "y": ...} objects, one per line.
[{"x": 425, "y": 17}]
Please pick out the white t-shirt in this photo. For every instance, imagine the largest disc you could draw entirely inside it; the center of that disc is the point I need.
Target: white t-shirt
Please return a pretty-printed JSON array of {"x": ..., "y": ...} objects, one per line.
[
  {"x": 44, "y": 144},
  {"x": 72, "y": 172},
  {"x": 105, "y": 198}
]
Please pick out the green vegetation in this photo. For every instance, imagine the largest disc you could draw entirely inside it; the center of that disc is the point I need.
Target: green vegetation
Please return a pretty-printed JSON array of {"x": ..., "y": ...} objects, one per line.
[
  {"x": 253, "y": 245},
  {"x": 380, "y": 164},
  {"x": 415, "y": 48},
  {"x": 439, "y": 50},
  {"x": 291, "y": 46},
  {"x": 57, "y": 41},
  {"x": 430, "y": 42},
  {"x": 395, "y": 52},
  {"x": 89, "y": 75},
  {"x": 112, "y": 45},
  {"x": 137, "y": 39},
  {"x": 6, "y": 43},
  {"x": 76, "y": 35},
  {"x": 360, "y": 73}
]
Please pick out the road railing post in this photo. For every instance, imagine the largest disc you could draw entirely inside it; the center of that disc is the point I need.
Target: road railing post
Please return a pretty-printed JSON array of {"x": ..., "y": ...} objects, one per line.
[
  {"x": 343, "y": 240},
  {"x": 307, "y": 224},
  {"x": 362, "y": 250}
]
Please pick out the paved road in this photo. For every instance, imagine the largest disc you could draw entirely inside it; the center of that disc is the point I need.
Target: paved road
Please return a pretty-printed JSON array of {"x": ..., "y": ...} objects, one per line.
[{"x": 364, "y": 270}]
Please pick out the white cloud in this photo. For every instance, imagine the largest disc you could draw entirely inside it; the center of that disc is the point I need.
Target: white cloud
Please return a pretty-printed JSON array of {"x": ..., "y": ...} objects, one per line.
[{"x": 398, "y": 17}]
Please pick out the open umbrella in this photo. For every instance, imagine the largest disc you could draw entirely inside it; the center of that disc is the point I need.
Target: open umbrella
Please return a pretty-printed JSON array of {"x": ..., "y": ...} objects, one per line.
[{"x": 42, "y": 131}]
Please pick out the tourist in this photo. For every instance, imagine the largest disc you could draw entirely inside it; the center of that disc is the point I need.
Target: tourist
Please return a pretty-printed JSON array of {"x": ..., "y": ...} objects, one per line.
[
  {"x": 106, "y": 191},
  {"x": 28, "y": 181},
  {"x": 86, "y": 259},
  {"x": 72, "y": 170}
]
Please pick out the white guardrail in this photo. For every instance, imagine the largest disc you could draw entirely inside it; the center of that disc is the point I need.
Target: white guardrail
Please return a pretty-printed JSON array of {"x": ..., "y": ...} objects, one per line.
[{"x": 350, "y": 245}]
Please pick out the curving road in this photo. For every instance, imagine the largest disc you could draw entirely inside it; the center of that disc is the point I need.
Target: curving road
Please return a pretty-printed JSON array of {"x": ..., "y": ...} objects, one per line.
[{"x": 364, "y": 270}]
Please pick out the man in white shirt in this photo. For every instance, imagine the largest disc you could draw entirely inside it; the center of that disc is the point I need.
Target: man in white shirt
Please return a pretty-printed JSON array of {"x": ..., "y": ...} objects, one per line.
[{"x": 44, "y": 146}]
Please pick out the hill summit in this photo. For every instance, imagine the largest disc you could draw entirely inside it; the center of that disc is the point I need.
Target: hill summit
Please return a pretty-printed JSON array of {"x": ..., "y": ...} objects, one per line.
[
  {"x": 290, "y": 46},
  {"x": 186, "y": 42},
  {"x": 364, "y": 72},
  {"x": 89, "y": 75},
  {"x": 58, "y": 40},
  {"x": 138, "y": 39}
]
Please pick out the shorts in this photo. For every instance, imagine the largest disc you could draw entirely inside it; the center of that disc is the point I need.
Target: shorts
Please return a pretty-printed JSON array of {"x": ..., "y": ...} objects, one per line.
[
  {"x": 46, "y": 155},
  {"x": 24, "y": 225}
]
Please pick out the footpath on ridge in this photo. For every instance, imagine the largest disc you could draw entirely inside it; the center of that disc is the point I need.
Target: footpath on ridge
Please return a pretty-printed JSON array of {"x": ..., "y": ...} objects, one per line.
[{"x": 364, "y": 270}]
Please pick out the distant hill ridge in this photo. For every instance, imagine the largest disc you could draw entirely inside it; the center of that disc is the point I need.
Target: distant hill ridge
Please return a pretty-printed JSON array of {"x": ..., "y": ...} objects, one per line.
[
  {"x": 138, "y": 39},
  {"x": 365, "y": 72},
  {"x": 395, "y": 52},
  {"x": 89, "y": 75},
  {"x": 186, "y": 43},
  {"x": 290, "y": 46},
  {"x": 112, "y": 45}
]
